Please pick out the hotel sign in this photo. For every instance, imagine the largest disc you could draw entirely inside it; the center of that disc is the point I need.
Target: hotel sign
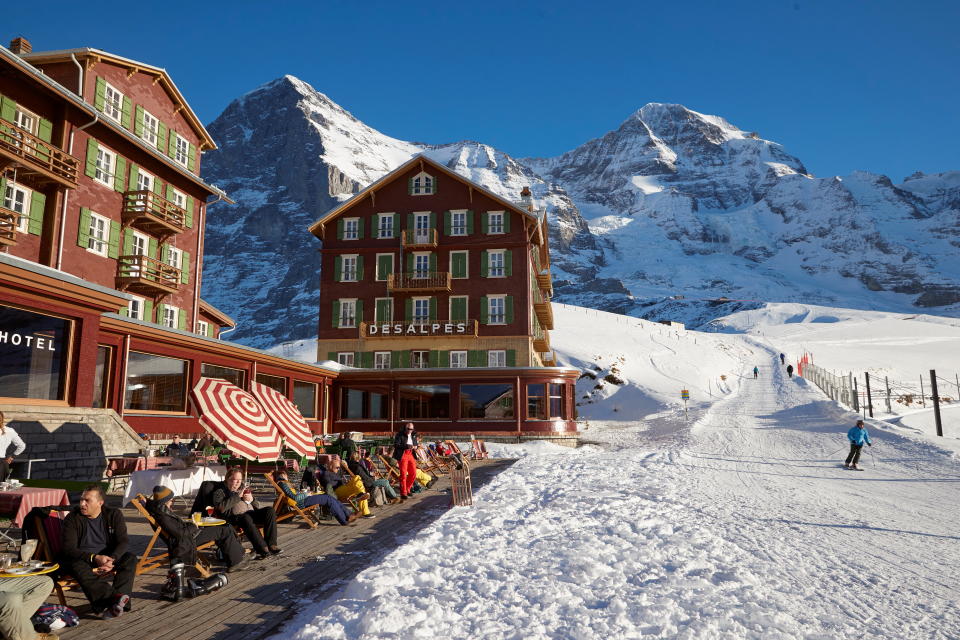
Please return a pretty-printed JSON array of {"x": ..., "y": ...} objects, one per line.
[{"x": 411, "y": 329}]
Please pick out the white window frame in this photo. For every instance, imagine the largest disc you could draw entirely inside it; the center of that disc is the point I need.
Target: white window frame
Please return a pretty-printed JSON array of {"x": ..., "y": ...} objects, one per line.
[
  {"x": 502, "y": 269},
  {"x": 98, "y": 243},
  {"x": 351, "y": 233},
  {"x": 496, "y": 358},
  {"x": 26, "y": 120},
  {"x": 175, "y": 261},
  {"x": 421, "y": 319},
  {"x": 345, "y": 303},
  {"x": 202, "y": 327},
  {"x": 466, "y": 253},
  {"x": 419, "y": 359},
  {"x": 151, "y": 128},
  {"x": 450, "y": 306},
  {"x": 352, "y": 259},
  {"x": 180, "y": 199},
  {"x": 420, "y": 273},
  {"x": 10, "y": 202},
  {"x": 144, "y": 241},
  {"x": 181, "y": 153},
  {"x": 145, "y": 181},
  {"x": 380, "y": 226},
  {"x": 375, "y": 305},
  {"x": 378, "y": 359},
  {"x": 498, "y": 228},
  {"x": 112, "y": 104},
  {"x": 420, "y": 187},
  {"x": 502, "y": 299},
  {"x": 453, "y": 222},
  {"x": 171, "y": 317},
  {"x": 106, "y": 166},
  {"x": 461, "y": 360},
  {"x": 345, "y": 358},
  {"x": 383, "y": 277},
  {"x": 135, "y": 308}
]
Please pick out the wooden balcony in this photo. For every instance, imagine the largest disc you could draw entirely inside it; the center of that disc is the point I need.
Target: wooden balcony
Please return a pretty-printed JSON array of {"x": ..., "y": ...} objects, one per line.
[
  {"x": 418, "y": 238},
  {"x": 545, "y": 280},
  {"x": 36, "y": 161},
  {"x": 9, "y": 220},
  {"x": 544, "y": 313},
  {"x": 153, "y": 213},
  {"x": 419, "y": 281},
  {"x": 541, "y": 342},
  {"x": 146, "y": 275},
  {"x": 549, "y": 359}
]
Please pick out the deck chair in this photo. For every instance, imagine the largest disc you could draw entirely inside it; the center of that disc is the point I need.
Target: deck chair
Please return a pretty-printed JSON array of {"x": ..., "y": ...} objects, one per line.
[
  {"x": 49, "y": 529},
  {"x": 149, "y": 562},
  {"x": 424, "y": 461},
  {"x": 387, "y": 470},
  {"x": 442, "y": 462},
  {"x": 457, "y": 455},
  {"x": 479, "y": 450},
  {"x": 286, "y": 507}
]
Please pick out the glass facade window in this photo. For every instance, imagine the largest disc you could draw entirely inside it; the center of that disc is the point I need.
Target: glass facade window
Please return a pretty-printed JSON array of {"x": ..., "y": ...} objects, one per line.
[
  {"x": 424, "y": 401},
  {"x": 490, "y": 401},
  {"x": 155, "y": 383},
  {"x": 276, "y": 383},
  {"x": 305, "y": 397},
  {"x": 536, "y": 402},
  {"x": 363, "y": 404},
  {"x": 235, "y": 376},
  {"x": 558, "y": 408},
  {"x": 101, "y": 376},
  {"x": 419, "y": 359},
  {"x": 33, "y": 354}
]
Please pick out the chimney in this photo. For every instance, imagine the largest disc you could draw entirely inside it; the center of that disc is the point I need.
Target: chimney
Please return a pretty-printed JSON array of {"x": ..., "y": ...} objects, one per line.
[
  {"x": 526, "y": 198},
  {"x": 20, "y": 46}
]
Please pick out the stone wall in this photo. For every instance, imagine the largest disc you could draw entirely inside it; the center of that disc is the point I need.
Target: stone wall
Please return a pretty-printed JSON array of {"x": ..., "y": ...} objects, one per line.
[{"x": 74, "y": 441}]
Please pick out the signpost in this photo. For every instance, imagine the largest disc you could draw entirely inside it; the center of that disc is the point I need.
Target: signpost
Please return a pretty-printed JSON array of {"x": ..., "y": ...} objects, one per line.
[{"x": 685, "y": 394}]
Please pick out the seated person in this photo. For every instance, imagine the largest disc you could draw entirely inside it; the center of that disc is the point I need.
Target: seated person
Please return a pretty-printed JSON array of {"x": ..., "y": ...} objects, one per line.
[
  {"x": 304, "y": 499},
  {"x": 177, "y": 449},
  {"x": 19, "y": 600},
  {"x": 441, "y": 449},
  {"x": 366, "y": 461},
  {"x": 183, "y": 538},
  {"x": 95, "y": 543},
  {"x": 369, "y": 482},
  {"x": 236, "y": 505},
  {"x": 333, "y": 483},
  {"x": 346, "y": 444},
  {"x": 308, "y": 479}
]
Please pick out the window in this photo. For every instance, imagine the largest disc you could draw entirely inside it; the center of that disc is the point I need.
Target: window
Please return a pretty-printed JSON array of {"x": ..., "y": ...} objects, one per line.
[
  {"x": 99, "y": 234},
  {"x": 26, "y": 120},
  {"x": 496, "y": 310},
  {"x": 348, "y": 314},
  {"x": 112, "y": 102},
  {"x": 421, "y": 265},
  {"x": 305, "y": 397},
  {"x": 363, "y": 404},
  {"x": 345, "y": 358},
  {"x": 536, "y": 402},
  {"x": 486, "y": 401},
  {"x": 381, "y": 360},
  {"x": 421, "y": 310},
  {"x": 101, "y": 377},
  {"x": 17, "y": 198},
  {"x": 423, "y": 233},
  {"x": 458, "y": 223},
  {"x": 33, "y": 354},
  {"x": 459, "y": 264},
  {"x": 423, "y": 184},
  {"x": 495, "y": 222},
  {"x": 458, "y": 359},
  {"x": 385, "y": 225},
  {"x": 276, "y": 383},
  {"x": 203, "y": 327},
  {"x": 419, "y": 359},
  {"x": 151, "y": 127},
  {"x": 106, "y": 162},
  {"x": 234, "y": 376},
  {"x": 384, "y": 266},
  {"x": 558, "y": 408},
  {"x": 171, "y": 316},
  {"x": 496, "y": 358},
  {"x": 181, "y": 152},
  {"x": 135, "y": 309},
  {"x": 144, "y": 181},
  {"x": 424, "y": 401},
  {"x": 495, "y": 264},
  {"x": 180, "y": 199},
  {"x": 348, "y": 268},
  {"x": 155, "y": 383},
  {"x": 174, "y": 257},
  {"x": 351, "y": 228}
]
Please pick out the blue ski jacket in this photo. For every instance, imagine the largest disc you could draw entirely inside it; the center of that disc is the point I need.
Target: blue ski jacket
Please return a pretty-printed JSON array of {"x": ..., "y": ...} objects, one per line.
[{"x": 858, "y": 436}]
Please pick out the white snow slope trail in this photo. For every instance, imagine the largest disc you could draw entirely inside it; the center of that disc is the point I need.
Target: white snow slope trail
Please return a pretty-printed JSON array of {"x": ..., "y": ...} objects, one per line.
[{"x": 745, "y": 526}]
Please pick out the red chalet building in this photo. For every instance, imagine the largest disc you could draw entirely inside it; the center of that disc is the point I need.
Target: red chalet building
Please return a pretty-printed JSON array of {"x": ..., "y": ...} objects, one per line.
[
  {"x": 102, "y": 214},
  {"x": 435, "y": 296}
]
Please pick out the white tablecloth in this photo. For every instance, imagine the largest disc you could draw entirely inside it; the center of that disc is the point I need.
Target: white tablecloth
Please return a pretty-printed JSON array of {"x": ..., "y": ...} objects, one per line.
[{"x": 183, "y": 482}]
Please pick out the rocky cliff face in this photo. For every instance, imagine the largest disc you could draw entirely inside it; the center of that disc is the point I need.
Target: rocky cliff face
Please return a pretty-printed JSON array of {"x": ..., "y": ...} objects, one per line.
[{"x": 657, "y": 218}]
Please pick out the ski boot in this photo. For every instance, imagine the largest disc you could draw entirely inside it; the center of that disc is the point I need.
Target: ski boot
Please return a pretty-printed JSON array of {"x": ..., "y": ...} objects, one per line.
[{"x": 176, "y": 586}]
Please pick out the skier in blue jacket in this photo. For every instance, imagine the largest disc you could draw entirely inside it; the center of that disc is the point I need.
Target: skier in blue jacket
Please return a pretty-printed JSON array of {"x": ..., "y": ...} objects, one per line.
[{"x": 857, "y": 436}]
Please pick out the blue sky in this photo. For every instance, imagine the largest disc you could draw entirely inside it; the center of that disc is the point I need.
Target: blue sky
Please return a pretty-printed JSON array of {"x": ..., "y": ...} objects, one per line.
[{"x": 843, "y": 85}]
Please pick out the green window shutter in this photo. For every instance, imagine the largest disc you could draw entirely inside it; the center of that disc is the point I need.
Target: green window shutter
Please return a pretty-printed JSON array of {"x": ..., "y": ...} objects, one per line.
[
  {"x": 38, "y": 202},
  {"x": 45, "y": 130},
  {"x": 125, "y": 312},
  {"x": 411, "y": 222},
  {"x": 433, "y": 220},
  {"x": 508, "y": 262},
  {"x": 172, "y": 144},
  {"x": 408, "y": 310},
  {"x": 484, "y": 264},
  {"x": 83, "y": 231},
  {"x": 484, "y": 222},
  {"x": 469, "y": 222},
  {"x": 147, "y": 317},
  {"x": 189, "y": 218},
  {"x": 446, "y": 223},
  {"x": 128, "y": 242},
  {"x": 8, "y": 109},
  {"x": 436, "y": 186},
  {"x": 92, "y": 147},
  {"x": 340, "y": 229},
  {"x": 101, "y": 94},
  {"x": 366, "y": 360},
  {"x": 404, "y": 359},
  {"x": 433, "y": 308},
  {"x": 152, "y": 247},
  {"x": 511, "y": 357},
  {"x": 164, "y": 252},
  {"x": 359, "y": 308},
  {"x": 210, "y": 330},
  {"x": 134, "y": 176},
  {"x": 409, "y": 263},
  {"x": 125, "y": 113},
  {"x": 182, "y": 320},
  {"x": 508, "y": 304},
  {"x": 161, "y": 135},
  {"x": 433, "y": 262},
  {"x": 359, "y": 268},
  {"x": 120, "y": 175},
  {"x": 375, "y": 229},
  {"x": 148, "y": 310},
  {"x": 380, "y": 310},
  {"x": 113, "y": 246},
  {"x": 484, "y": 315},
  {"x": 192, "y": 158},
  {"x": 360, "y": 229},
  {"x": 332, "y": 355},
  {"x": 434, "y": 358},
  {"x": 458, "y": 309},
  {"x": 506, "y": 221},
  {"x": 336, "y": 319},
  {"x": 409, "y": 183},
  {"x": 138, "y": 121},
  {"x": 443, "y": 359},
  {"x": 384, "y": 266},
  {"x": 157, "y": 187},
  {"x": 476, "y": 358},
  {"x": 169, "y": 195},
  {"x": 458, "y": 265},
  {"x": 337, "y": 269},
  {"x": 185, "y": 267}
]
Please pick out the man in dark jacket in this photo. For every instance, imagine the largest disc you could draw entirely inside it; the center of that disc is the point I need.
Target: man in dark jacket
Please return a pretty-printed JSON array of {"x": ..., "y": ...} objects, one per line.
[
  {"x": 94, "y": 544},
  {"x": 177, "y": 449},
  {"x": 403, "y": 445},
  {"x": 236, "y": 505},
  {"x": 347, "y": 445},
  {"x": 369, "y": 482}
]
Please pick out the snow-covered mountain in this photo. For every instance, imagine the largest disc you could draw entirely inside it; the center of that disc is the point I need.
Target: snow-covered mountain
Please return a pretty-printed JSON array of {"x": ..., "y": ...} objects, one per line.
[{"x": 657, "y": 218}]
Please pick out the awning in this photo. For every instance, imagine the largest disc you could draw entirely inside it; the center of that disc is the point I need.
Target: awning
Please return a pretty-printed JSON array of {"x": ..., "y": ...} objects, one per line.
[
  {"x": 287, "y": 417},
  {"x": 234, "y": 417}
]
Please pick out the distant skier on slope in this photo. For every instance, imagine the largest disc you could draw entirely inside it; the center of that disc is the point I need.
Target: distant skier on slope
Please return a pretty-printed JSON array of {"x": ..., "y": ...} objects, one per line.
[
  {"x": 790, "y": 370},
  {"x": 783, "y": 358},
  {"x": 756, "y": 372},
  {"x": 857, "y": 436}
]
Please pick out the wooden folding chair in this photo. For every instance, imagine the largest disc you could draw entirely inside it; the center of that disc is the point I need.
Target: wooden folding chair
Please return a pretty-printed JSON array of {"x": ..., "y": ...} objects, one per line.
[
  {"x": 441, "y": 463},
  {"x": 388, "y": 470},
  {"x": 479, "y": 450},
  {"x": 49, "y": 540},
  {"x": 149, "y": 562},
  {"x": 424, "y": 461},
  {"x": 286, "y": 507}
]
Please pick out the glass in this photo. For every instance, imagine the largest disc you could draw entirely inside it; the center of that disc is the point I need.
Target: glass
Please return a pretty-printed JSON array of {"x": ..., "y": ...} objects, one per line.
[
  {"x": 101, "y": 377},
  {"x": 424, "y": 401},
  {"x": 305, "y": 397},
  {"x": 363, "y": 404},
  {"x": 33, "y": 354},
  {"x": 155, "y": 383},
  {"x": 490, "y": 401},
  {"x": 558, "y": 408},
  {"x": 276, "y": 383},
  {"x": 234, "y": 376},
  {"x": 536, "y": 405},
  {"x": 27, "y": 549}
]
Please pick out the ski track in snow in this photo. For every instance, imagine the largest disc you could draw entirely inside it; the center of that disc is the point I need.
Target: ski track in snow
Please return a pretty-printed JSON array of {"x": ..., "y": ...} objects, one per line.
[{"x": 745, "y": 525}]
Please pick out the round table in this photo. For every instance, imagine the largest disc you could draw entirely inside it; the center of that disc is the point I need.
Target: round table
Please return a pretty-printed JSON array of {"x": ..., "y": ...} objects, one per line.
[
  {"x": 220, "y": 522},
  {"x": 42, "y": 569}
]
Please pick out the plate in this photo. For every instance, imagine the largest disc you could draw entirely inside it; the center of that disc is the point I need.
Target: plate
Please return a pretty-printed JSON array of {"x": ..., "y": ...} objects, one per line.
[
  {"x": 210, "y": 520},
  {"x": 19, "y": 570}
]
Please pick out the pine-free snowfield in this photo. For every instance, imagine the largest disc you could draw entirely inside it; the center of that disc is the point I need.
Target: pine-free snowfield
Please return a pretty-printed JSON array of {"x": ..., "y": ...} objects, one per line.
[{"x": 742, "y": 525}]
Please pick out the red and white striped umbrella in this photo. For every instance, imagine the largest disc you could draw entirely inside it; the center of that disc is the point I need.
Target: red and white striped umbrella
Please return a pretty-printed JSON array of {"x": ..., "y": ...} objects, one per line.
[
  {"x": 235, "y": 418},
  {"x": 287, "y": 417}
]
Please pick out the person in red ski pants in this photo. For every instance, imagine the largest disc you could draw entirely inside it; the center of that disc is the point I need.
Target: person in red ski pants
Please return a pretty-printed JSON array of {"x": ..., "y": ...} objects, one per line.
[{"x": 403, "y": 444}]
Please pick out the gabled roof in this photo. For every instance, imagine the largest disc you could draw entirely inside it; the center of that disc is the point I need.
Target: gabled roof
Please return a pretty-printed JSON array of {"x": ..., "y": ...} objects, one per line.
[
  {"x": 216, "y": 314},
  {"x": 423, "y": 161},
  {"x": 61, "y": 55}
]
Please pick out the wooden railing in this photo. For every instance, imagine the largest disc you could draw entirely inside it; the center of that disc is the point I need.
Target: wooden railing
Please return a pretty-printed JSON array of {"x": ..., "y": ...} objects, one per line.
[
  {"x": 36, "y": 153},
  {"x": 151, "y": 209},
  {"x": 419, "y": 238},
  {"x": 545, "y": 280},
  {"x": 419, "y": 281},
  {"x": 146, "y": 273},
  {"x": 9, "y": 221},
  {"x": 544, "y": 312}
]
